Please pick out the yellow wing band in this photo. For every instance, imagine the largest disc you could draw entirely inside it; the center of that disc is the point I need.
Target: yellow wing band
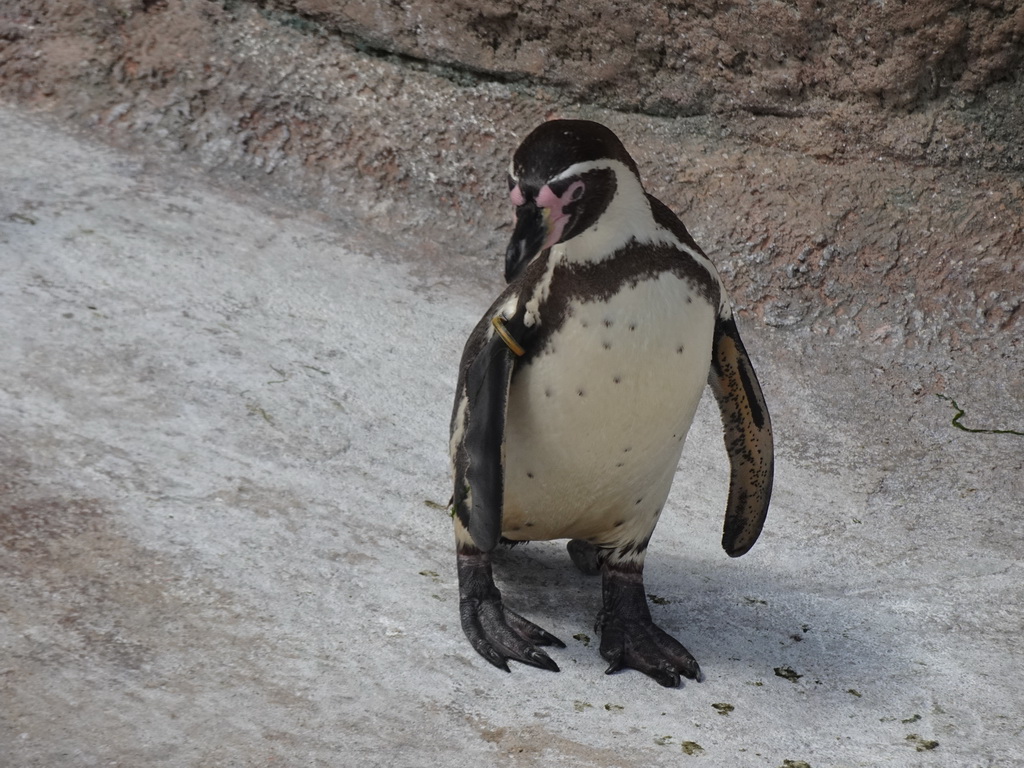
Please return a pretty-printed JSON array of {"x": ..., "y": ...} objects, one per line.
[{"x": 499, "y": 325}]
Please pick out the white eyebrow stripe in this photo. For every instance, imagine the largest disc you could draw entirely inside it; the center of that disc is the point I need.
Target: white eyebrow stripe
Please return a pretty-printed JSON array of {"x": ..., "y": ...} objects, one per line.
[{"x": 590, "y": 165}]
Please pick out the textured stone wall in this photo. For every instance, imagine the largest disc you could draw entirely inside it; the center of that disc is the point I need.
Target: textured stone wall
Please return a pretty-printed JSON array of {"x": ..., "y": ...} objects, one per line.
[
  {"x": 791, "y": 59},
  {"x": 855, "y": 169}
]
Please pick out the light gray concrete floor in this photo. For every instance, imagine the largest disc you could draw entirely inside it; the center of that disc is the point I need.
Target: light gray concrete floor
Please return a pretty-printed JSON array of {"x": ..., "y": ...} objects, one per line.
[{"x": 223, "y": 442}]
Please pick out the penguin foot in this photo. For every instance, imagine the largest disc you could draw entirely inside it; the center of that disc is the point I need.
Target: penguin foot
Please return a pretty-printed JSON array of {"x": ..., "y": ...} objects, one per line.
[
  {"x": 648, "y": 648},
  {"x": 630, "y": 638},
  {"x": 497, "y": 633},
  {"x": 584, "y": 556}
]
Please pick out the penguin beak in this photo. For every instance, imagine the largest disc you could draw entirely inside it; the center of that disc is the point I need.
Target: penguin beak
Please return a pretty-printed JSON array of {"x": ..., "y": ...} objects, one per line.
[{"x": 533, "y": 227}]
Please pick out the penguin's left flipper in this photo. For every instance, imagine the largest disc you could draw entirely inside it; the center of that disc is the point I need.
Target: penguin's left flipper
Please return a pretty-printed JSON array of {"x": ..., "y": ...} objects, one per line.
[{"x": 748, "y": 438}]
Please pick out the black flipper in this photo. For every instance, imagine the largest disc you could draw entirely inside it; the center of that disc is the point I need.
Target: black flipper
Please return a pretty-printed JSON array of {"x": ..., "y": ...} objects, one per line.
[
  {"x": 488, "y": 362},
  {"x": 480, "y": 470},
  {"x": 748, "y": 438},
  {"x": 487, "y": 382}
]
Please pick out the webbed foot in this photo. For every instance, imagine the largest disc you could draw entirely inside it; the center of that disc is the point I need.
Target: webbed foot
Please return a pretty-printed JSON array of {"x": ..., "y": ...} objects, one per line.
[
  {"x": 584, "y": 556},
  {"x": 630, "y": 638},
  {"x": 497, "y": 633}
]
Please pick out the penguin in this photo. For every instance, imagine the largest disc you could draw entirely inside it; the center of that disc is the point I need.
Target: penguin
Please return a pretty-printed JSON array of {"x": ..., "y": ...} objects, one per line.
[{"x": 576, "y": 390}]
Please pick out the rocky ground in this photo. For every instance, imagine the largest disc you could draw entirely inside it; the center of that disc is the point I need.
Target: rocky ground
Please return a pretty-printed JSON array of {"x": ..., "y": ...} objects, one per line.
[{"x": 232, "y": 345}]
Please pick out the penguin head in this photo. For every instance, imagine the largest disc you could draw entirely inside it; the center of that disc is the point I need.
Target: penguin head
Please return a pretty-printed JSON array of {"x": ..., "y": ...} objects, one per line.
[{"x": 562, "y": 178}]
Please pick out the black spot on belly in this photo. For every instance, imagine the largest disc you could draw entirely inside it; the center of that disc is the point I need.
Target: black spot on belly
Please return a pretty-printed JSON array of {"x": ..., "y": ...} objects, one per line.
[
  {"x": 626, "y": 450},
  {"x": 529, "y": 525},
  {"x": 617, "y": 379},
  {"x": 632, "y": 326},
  {"x": 579, "y": 392},
  {"x": 584, "y": 323},
  {"x": 619, "y": 523},
  {"x": 639, "y": 500},
  {"x": 619, "y": 464},
  {"x": 607, "y": 345},
  {"x": 547, "y": 392},
  {"x": 607, "y": 322},
  {"x": 679, "y": 349},
  {"x": 529, "y": 475}
]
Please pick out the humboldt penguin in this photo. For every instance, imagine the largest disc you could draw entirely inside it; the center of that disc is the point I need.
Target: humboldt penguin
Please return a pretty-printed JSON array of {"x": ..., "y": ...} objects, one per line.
[{"x": 577, "y": 388}]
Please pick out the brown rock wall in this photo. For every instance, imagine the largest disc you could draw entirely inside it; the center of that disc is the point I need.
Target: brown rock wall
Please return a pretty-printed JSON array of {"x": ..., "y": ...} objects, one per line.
[{"x": 692, "y": 58}]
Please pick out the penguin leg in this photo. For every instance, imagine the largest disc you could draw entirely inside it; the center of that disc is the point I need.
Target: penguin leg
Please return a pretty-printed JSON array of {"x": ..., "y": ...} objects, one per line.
[
  {"x": 495, "y": 632},
  {"x": 629, "y": 637},
  {"x": 584, "y": 556}
]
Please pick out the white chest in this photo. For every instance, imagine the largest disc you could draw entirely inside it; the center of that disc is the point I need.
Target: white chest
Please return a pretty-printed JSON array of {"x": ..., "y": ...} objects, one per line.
[{"x": 596, "y": 423}]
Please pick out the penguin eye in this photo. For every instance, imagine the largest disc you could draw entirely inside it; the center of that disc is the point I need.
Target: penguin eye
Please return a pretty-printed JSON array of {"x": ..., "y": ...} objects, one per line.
[
  {"x": 561, "y": 186},
  {"x": 568, "y": 191}
]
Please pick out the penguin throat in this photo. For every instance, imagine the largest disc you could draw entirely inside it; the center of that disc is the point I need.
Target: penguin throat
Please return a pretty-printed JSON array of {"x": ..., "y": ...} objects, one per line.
[{"x": 627, "y": 218}]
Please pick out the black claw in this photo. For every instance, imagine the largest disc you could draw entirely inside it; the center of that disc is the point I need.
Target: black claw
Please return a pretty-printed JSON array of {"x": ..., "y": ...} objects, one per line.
[
  {"x": 530, "y": 631},
  {"x": 667, "y": 680},
  {"x": 615, "y": 657},
  {"x": 693, "y": 672},
  {"x": 666, "y": 676},
  {"x": 540, "y": 659},
  {"x": 492, "y": 656}
]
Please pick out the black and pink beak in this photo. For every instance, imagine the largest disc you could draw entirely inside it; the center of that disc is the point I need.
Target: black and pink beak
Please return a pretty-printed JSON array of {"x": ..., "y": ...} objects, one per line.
[
  {"x": 528, "y": 238},
  {"x": 540, "y": 223}
]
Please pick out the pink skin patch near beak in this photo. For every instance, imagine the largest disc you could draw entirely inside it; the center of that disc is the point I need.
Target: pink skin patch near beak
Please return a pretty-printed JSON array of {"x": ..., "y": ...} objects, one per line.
[
  {"x": 553, "y": 207},
  {"x": 516, "y": 196}
]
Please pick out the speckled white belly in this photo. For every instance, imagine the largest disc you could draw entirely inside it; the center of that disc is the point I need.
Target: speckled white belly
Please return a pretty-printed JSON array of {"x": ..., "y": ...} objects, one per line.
[{"x": 596, "y": 425}]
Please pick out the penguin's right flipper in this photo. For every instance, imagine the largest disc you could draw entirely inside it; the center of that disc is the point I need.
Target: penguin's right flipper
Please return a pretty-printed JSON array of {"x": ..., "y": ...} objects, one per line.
[
  {"x": 479, "y": 460},
  {"x": 748, "y": 438},
  {"x": 487, "y": 383},
  {"x": 497, "y": 634}
]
